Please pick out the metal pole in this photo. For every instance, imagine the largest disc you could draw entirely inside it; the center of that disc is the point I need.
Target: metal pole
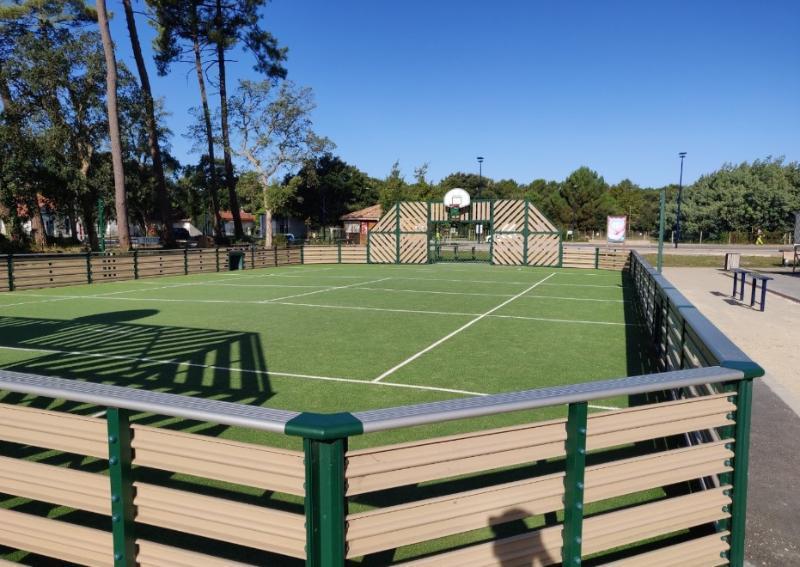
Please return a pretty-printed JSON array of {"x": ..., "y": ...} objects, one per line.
[
  {"x": 661, "y": 212},
  {"x": 680, "y": 196}
]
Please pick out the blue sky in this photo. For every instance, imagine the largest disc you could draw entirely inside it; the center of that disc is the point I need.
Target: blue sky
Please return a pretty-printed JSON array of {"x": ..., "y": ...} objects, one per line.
[{"x": 537, "y": 88}]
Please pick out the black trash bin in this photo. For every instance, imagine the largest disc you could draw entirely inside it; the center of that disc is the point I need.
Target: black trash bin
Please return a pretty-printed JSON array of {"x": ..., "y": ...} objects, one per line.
[{"x": 235, "y": 260}]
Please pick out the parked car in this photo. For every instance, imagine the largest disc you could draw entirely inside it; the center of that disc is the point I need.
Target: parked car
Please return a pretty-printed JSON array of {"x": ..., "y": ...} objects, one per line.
[
  {"x": 289, "y": 237},
  {"x": 183, "y": 238}
]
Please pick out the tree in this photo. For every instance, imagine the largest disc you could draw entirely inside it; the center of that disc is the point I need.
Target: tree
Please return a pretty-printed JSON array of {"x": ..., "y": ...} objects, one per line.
[
  {"x": 325, "y": 188},
  {"x": 120, "y": 198},
  {"x": 182, "y": 32},
  {"x": 152, "y": 128},
  {"x": 586, "y": 194},
  {"x": 274, "y": 129},
  {"x": 238, "y": 22}
]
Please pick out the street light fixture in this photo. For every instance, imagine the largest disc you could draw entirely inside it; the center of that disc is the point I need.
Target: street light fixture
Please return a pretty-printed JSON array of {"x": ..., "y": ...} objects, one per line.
[
  {"x": 480, "y": 175},
  {"x": 680, "y": 196}
]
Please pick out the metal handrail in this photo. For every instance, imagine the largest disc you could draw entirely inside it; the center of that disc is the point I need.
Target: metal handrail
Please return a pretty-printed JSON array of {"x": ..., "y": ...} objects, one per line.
[{"x": 175, "y": 405}]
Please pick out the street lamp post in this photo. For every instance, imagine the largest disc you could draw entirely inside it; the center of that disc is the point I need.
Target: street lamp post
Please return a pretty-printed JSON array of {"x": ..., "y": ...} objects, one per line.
[
  {"x": 680, "y": 196},
  {"x": 480, "y": 175}
]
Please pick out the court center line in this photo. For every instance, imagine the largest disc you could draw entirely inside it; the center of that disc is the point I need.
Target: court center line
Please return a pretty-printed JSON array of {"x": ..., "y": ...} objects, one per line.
[
  {"x": 464, "y": 327},
  {"x": 324, "y": 290},
  {"x": 243, "y": 370}
]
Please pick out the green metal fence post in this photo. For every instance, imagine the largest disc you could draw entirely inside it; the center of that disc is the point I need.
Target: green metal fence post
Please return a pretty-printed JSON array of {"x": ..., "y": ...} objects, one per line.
[
  {"x": 741, "y": 461},
  {"x": 572, "y": 533},
  {"x": 121, "y": 478},
  {"x": 428, "y": 237},
  {"x": 560, "y": 250},
  {"x": 10, "y": 267},
  {"x": 88, "y": 266},
  {"x": 252, "y": 257},
  {"x": 275, "y": 253},
  {"x": 397, "y": 233},
  {"x": 302, "y": 253},
  {"x": 369, "y": 260},
  {"x": 217, "y": 257},
  {"x": 525, "y": 234},
  {"x": 491, "y": 232},
  {"x": 186, "y": 261},
  {"x": 596, "y": 257},
  {"x": 339, "y": 252},
  {"x": 136, "y": 263},
  {"x": 325, "y": 502}
]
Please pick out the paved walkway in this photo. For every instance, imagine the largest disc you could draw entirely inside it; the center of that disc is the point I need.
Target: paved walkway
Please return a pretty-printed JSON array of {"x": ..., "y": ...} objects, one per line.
[{"x": 772, "y": 339}]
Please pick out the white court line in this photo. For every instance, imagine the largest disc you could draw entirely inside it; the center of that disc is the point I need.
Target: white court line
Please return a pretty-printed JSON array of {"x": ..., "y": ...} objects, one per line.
[
  {"x": 436, "y": 292},
  {"x": 244, "y": 370},
  {"x": 585, "y": 285},
  {"x": 460, "y": 329},
  {"x": 347, "y": 307},
  {"x": 548, "y": 320},
  {"x": 493, "y": 294},
  {"x": 324, "y": 290},
  {"x": 577, "y": 298},
  {"x": 264, "y": 372}
]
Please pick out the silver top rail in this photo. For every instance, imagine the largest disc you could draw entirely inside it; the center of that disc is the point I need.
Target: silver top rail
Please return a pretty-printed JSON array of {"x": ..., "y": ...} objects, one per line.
[
  {"x": 435, "y": 412},
  {"x": 200, "y": 409}
]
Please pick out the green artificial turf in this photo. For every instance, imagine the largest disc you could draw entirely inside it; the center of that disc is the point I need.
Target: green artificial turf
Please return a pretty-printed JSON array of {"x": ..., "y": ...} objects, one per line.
[{"x": 313, "y": 338}]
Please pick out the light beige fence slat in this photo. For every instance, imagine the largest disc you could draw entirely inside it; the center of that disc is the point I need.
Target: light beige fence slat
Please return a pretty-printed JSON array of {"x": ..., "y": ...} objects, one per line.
[
  {"x": 54, "y": 430},
  {"x": 379, "y": 468},
  {"x": 152, "y": 554},
  {"x": 248, "y": 464},
  {"x": 225, "y": 520},
  {"x": 57, "y": 539},
  {"x": 56, "y": 485},
  {"x": 386, "y": 528},
  {"x": 543, "y": 547},
  {"x": 700, "y": 552}
]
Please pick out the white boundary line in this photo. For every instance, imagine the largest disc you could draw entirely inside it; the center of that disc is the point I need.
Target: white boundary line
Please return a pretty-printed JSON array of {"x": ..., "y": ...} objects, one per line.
[
  {"x": 460, "y": 329},
  {"x": 242, "y": 370},
  {"x": 348, "y": 307},
  {"x": 323, "y": 290},
  {"x": 263, "y": 372}
]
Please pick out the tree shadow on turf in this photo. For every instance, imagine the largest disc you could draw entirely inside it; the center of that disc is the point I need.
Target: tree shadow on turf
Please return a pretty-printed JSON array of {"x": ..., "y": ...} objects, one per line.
[
  {"x": 109, "y": 348},
  {"x": 114, "y": 348}
]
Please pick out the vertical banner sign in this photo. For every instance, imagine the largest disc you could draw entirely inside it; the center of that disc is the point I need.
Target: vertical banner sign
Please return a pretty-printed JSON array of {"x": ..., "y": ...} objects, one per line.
[{"x": 616, "y": 229}]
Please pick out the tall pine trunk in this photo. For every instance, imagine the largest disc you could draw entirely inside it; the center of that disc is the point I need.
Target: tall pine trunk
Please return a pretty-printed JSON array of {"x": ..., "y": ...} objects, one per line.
[
  {"x": 120, "y": 198},
  {"x": 214, "y": 185},
  {"x": 162, "y": 198},
  {"x": 226, "y": 142}
]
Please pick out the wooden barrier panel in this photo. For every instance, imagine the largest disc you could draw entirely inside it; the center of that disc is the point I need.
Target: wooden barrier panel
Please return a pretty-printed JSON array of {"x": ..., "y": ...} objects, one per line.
[
  {"x": 247, "y": 464},
  {"x": 602, "y": 532},
  {"x": 54, "y": 538},
  {"x": 379, "y": 468},
  {"x": 218, "y": 518},
  {"x": 254, "y": 526},
  {"x": 395, "y": 526}
]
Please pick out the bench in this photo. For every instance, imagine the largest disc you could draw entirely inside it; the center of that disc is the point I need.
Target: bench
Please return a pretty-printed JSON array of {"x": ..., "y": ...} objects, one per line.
[
  {"x": 755, "y": 279},
  {"x": 736, "y": 273}
]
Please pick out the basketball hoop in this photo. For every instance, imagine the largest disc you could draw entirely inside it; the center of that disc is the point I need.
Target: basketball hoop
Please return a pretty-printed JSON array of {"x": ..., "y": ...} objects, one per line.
[{"x": 455, "y": 200}]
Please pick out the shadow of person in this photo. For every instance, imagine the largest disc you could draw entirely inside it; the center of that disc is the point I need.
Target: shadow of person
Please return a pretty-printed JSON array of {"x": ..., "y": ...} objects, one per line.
[{"x": 515, "y": 544}]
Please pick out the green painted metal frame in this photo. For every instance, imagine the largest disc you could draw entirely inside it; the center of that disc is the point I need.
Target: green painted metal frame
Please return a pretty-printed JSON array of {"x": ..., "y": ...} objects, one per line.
[
  {"x": 121, "y": 478},
  {"x": 575, "y": 465},
  {"x": 741, "y": 462},
  {"x": 136, "y": 264}
]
